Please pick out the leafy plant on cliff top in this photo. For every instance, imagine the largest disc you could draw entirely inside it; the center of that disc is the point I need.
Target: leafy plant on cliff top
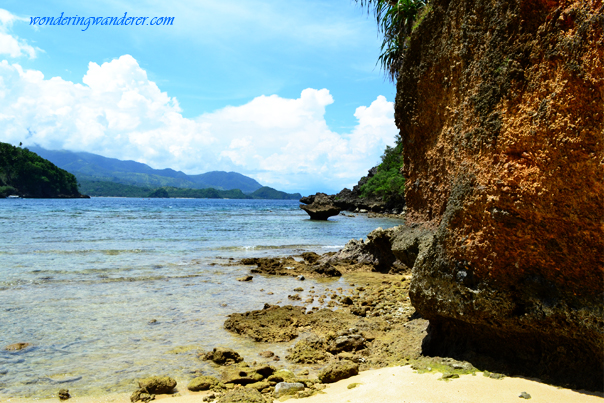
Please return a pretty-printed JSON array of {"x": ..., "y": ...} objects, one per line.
[
  {"x": 387, "y": 183},
  {"x": 395, "y": 19}
]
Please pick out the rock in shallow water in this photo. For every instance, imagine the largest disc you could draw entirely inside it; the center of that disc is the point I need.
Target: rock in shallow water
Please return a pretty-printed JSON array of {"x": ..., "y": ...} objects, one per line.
[
  {"x": 321, "y": 207},
  {"x": 17, "y": 346},
  {"x": 64, "y": 394},
  {"x": 223, "y": 356}
]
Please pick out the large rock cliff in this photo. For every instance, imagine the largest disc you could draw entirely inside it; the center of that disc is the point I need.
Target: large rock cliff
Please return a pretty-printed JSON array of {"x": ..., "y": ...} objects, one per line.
[{"x": 501, "y": 113}]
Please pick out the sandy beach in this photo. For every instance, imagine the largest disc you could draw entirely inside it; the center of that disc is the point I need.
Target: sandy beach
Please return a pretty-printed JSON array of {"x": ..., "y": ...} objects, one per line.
[{"x": 400, "y": 385}]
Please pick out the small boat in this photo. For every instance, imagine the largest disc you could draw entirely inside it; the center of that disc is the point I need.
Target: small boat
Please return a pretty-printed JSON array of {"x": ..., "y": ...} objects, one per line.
[{"x": 13, "y": 197}]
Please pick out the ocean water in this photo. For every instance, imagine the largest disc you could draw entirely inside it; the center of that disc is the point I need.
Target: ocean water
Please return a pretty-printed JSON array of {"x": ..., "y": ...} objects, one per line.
[{"x": 108, "y": 290}]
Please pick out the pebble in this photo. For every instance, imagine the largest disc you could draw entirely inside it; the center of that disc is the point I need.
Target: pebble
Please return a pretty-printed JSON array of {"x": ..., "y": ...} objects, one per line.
[
  {"x": 524, "y": 395},
  {"x": 64, "y": 394}
]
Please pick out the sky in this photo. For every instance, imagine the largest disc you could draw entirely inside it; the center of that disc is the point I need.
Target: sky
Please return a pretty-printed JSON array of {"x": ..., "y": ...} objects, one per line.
[{"x": 287, "y": 93}]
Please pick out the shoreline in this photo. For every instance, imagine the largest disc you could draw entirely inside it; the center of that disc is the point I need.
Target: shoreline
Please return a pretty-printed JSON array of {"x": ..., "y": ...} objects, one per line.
[
  {"x": 391, "y": 333},
  {"x": 396, "y": 384},
  {"x": 406, "y": 377}
]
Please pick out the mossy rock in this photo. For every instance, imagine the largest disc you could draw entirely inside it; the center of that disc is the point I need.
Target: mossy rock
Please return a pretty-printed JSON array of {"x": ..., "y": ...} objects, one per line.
[
  {"x": 242, "y": 395},
  {"x": 223, "y": 356},
  {"x": 157, "y": 385},
  {"x": 259, "y": 385},
  {"x": 240, "y": 376},
  {"x": 308, "y": 351},
  {"x": 202, "y": 383},
  {"x": 338, "y": 371}
]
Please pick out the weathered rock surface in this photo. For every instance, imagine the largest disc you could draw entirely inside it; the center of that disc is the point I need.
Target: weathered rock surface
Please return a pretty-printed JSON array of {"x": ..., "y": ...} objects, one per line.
[
  {"x": 202, "y": 383},
  {"x": 223, "y": 356},
  {"x": 338, "y": 371},
  {"x": 149, "y": 387},
  {"x": 64, "y": 394},
  {"x": 310, "y": 350},
  {"x": 500, "y": 110},
  {"x": 17, "y": 346},
  {"x": 244, "y": 395},
  {"x": 157, "y": 384},
  {"x": 321, "y": 207},
  {"x": 393, "y": 250},
  {"x": 282, "y": 323},
  {"x": 240, "y": 375},
  {"x": 288, "y": 266},
  {"x": 287, "y": 388}
]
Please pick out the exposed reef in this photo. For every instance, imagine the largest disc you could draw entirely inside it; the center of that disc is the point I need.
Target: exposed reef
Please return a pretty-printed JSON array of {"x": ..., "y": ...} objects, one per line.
[{"x": 501, "y": 114}]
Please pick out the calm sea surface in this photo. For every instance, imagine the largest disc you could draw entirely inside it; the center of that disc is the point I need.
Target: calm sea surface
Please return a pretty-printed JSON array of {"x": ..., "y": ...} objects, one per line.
[{"x": 83, "y": 280}]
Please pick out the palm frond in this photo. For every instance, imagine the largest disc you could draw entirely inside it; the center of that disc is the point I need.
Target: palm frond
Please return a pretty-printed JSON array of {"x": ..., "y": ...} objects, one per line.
[{"x": 395, "y": 20}]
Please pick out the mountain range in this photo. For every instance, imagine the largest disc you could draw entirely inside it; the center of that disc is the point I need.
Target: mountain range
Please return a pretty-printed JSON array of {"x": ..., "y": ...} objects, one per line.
[{"x": 93, "y": 167}]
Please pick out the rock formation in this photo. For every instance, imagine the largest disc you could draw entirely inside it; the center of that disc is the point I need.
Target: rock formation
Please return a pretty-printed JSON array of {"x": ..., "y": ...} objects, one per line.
[
  {"x": 501, "y": 113},
  {"x": 352, "y": 200},
  {"x": 320, "y": 208}
]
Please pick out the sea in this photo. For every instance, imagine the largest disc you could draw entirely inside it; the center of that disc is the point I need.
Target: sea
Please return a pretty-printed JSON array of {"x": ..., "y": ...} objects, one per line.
[{"x": 109, "y": 290}]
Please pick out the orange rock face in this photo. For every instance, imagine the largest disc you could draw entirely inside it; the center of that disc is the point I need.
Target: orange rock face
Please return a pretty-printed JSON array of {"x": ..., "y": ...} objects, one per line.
[{"x": 500, "y": 105}]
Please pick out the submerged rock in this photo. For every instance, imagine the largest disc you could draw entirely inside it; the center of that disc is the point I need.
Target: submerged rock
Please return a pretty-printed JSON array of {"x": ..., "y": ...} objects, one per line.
[
  {"x": 266, "y": 354},
  {"x": 321, "y": 207},
  {"x": 17, "y": 346}
]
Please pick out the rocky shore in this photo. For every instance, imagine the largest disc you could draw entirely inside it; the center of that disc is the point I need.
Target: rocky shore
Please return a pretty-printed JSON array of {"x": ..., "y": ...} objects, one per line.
[
  {"x": 336, "y": 335},
  {"x": 337, "y": 332},
  {"x": 321, "y": 206}
]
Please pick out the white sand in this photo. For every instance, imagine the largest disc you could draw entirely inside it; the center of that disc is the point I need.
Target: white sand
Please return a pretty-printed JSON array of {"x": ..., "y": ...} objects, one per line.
[{"x": 402, "y": 385}]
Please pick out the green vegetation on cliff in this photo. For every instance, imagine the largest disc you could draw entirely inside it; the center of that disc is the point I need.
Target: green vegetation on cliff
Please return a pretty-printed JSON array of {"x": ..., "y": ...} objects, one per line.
[
  {"x": 25, "y": 173},
  {"x": 388, "y": 183}
]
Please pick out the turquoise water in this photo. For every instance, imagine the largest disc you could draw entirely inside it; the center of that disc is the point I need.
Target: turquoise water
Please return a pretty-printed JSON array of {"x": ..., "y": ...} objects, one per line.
[{"x": 82, "y": 281}]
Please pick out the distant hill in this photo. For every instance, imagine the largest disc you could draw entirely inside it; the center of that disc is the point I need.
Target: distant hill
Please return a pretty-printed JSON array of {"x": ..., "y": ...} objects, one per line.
[
  {"x": 92, "y": 167},
  {"x": 112, "y": 189},
  {"x": 26, "y": 174},
  {"x": 269, "y": 193}
]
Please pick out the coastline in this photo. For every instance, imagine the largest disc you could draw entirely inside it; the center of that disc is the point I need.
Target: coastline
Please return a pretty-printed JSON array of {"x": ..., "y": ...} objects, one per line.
[{"x": 400, "y": 385}]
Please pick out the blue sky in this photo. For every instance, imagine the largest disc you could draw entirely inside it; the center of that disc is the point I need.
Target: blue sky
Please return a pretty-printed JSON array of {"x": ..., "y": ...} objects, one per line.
[{"x": 286, "y": 92}]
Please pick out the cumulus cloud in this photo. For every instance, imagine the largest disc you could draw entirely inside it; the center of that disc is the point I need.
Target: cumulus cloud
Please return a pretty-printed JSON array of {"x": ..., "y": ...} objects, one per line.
[
  {"x": 9, "y": 44},
  {"x": 118, "y": 112}
]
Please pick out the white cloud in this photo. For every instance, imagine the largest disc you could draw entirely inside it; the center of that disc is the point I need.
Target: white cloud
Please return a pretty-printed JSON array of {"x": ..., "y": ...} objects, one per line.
[
  {"x": 9, "y": 44},
  {"x": 118, "y": 112}
]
